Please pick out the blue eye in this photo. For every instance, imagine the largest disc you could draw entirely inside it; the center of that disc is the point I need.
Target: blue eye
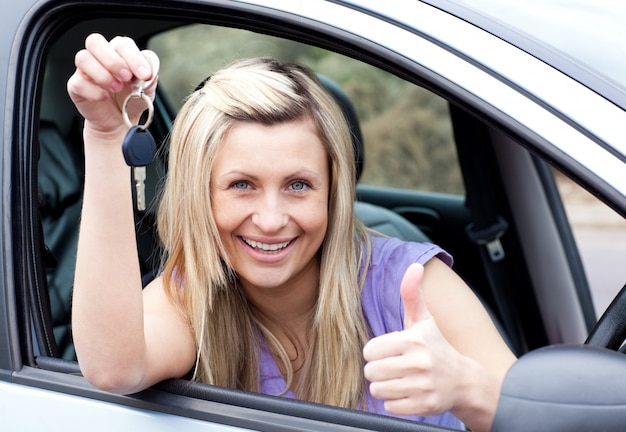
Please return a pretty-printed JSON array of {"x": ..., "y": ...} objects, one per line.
[
  {"x": 240, "y": 185},
  {"x": 298, "y": 185}
]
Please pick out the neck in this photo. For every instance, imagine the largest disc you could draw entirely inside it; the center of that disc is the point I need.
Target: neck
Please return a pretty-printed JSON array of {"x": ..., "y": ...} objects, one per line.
[{"x": 290, "y": 305}]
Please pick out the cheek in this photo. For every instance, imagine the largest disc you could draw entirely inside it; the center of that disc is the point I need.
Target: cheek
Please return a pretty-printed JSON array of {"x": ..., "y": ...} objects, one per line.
[
  {"x": 228, "y": 215},
  {"x": 314, "y": 218}
]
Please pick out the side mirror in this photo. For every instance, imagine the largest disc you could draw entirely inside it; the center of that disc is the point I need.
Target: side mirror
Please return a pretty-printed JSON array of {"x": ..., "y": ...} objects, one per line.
[{"x": 564, "y": 388}]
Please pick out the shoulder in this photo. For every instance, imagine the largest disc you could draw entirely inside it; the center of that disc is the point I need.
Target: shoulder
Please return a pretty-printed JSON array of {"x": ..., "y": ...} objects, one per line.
[
  {"x": 380, "y": 296},
  {"x": 396, "y": 253}
]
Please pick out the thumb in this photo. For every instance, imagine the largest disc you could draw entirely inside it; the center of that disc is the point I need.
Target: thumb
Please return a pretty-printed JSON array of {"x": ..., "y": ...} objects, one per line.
[
  {"x": 411, "y": 292},
  {"x": 155, "y": 63}
]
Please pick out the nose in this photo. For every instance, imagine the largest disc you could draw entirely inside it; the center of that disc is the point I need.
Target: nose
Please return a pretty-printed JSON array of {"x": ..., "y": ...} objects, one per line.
[{"x": 270, "y": 213}]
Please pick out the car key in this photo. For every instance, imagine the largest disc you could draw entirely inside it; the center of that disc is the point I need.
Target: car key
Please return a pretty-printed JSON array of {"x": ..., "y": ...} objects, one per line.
[
  {"x": 139, "y": 147},
  {"x": 139, "y": 150}
]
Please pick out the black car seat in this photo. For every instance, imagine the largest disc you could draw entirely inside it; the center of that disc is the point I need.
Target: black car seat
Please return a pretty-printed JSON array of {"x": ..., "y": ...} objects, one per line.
[
  {"x": 60, "y": 188},
  {"x": 60, "y": 183}
]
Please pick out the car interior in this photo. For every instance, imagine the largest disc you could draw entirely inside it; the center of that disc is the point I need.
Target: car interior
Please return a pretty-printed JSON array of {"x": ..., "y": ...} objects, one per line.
[{"x": 499, "y": 230}]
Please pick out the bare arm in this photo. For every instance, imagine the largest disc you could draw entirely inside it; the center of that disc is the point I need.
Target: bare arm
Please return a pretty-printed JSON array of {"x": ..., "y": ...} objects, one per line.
[
  {"x": 467, "y": 326},
  {"x": 124, "y": 337},
  {"x": 459, "y": 313}
]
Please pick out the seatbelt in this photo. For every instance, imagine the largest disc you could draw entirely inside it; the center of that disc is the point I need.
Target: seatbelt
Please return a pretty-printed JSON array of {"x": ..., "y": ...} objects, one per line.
[{"x": 487, "y": 226}]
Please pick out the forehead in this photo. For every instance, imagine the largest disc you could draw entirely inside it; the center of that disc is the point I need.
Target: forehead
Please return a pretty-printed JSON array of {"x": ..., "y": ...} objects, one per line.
[
  {"x": 256, "y": 138},
  {"x": 253, "y": 144}
]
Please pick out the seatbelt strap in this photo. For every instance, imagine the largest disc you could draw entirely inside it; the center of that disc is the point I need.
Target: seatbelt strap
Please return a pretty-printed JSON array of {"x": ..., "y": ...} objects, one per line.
[{"x": 487, "y": 226}]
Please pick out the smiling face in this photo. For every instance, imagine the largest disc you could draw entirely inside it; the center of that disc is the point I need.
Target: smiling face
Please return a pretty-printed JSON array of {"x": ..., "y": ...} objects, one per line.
[{"x": 269, "y": 189}]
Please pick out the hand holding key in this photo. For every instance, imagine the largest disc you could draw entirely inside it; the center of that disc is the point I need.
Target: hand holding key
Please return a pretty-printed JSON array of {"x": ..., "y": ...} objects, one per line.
[
  {"x": 112, "y": 86},
  {"x": 106, "y": 73}
]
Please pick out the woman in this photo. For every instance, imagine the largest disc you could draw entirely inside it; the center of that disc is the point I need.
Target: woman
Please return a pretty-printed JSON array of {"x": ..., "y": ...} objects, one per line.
[{"x": 269, "y": 283}]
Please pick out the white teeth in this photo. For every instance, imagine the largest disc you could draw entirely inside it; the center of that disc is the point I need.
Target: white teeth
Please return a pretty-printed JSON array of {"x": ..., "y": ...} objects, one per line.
[{"x": 265, "y": 246}]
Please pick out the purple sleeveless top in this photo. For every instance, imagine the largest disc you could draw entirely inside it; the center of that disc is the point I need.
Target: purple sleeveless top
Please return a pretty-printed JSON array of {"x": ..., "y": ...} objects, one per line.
[{"x": 383, "y": 311}]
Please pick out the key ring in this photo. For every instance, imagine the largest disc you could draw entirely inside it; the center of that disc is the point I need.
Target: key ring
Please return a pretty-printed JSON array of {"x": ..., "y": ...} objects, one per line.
[{"x": 138, "y": 94}]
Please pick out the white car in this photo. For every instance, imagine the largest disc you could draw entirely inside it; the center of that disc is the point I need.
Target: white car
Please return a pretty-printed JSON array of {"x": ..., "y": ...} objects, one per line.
[{"x": 477, "y": 124}]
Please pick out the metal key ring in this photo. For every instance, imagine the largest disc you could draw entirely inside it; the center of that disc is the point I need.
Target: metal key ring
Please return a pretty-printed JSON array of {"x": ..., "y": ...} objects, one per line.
[{"x": 138, "y": 95}]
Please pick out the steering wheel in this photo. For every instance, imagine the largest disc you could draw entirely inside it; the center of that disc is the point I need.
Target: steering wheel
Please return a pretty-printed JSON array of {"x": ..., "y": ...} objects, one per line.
[{"x": 610, "y": 330}]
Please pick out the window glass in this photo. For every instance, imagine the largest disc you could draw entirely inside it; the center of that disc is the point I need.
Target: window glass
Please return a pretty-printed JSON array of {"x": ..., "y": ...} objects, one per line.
[
  {"x": 600, "y": 234},
  {"x": 407, "y": 129}
]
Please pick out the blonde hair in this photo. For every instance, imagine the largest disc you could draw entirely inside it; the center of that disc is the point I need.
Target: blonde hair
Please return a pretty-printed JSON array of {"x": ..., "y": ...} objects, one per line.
[{"x": 197, "y": 274}]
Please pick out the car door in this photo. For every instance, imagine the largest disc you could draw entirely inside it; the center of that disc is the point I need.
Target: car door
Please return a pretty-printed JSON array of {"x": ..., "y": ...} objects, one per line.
[{"x": 419, "y": 44}]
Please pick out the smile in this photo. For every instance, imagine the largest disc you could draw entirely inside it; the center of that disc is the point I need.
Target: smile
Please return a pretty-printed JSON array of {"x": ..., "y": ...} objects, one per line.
[{"x": 266, "y": 247}]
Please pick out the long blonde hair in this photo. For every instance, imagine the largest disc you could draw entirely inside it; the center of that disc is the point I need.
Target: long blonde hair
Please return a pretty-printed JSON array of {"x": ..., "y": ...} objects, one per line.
[{"x": 197, "y": 274}]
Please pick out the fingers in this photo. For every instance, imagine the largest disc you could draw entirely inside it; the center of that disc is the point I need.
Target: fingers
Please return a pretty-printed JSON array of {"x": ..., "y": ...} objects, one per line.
[
  {"x": 398, "y": 365},
  {"x": 106, "y": 72},
  {"x": 428, "y": 404},
  {"x": 405, "y": 390},
  {"x": 411, "y": 292},
  {"x": 154, "y": 61},
  {"x": 406, "y": 373},
  {"x": 392, "y": 344},
  {"x": 101, "y": 64},
  {"x": 109, "y": 65},
  {"x": 135, "y": 64},
  {"x": 396, "y": 389},
  {"x": 408, "y": 369},
  {"x": 81, "y": 88}
]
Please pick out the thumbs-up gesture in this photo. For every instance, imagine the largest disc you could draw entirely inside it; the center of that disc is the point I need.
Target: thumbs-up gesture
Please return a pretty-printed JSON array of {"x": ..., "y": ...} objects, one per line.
[{"x": 415, "y": 370}]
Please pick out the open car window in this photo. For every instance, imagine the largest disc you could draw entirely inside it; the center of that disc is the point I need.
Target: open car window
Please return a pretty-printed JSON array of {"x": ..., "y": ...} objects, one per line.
[
  {"x": 407, "y": 139},
  {"x": 189, "y": 52}
]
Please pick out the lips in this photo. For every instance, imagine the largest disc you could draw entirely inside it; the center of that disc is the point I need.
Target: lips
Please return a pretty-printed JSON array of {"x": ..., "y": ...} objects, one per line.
[{"x": 266, "y": 247}]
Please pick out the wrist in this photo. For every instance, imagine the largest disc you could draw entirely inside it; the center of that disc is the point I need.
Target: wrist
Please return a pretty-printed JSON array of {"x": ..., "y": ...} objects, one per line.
[
  {"x": 94, "y": 134},
  {"x": 103, "y": 151},
  {"x": 478, "y": 395}
]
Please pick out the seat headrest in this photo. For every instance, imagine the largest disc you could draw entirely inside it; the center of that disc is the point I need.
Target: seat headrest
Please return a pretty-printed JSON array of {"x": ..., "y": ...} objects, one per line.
[{"x": 349, "y": 113}]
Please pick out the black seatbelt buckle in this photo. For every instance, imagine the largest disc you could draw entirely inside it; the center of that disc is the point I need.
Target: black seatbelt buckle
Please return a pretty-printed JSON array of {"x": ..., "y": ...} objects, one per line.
[{"x": 489, "y": 237}]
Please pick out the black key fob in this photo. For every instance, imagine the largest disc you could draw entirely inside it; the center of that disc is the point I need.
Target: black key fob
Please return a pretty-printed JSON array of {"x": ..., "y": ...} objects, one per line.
[{"x": 139, "y": 147}]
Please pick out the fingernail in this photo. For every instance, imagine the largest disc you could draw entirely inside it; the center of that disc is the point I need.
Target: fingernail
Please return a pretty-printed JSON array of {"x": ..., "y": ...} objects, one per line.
[
  {"x": 125, "y": 74},
  {"x": 144, "y": 72},
  {"x": 116, "y": 86}
]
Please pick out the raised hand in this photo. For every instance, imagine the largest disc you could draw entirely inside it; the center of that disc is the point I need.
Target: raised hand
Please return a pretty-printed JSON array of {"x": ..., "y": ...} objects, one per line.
[
  {"x": 103, "y": 78},
  {"x": 122, "y": 333},
  {"x": 414, "y": 371}
]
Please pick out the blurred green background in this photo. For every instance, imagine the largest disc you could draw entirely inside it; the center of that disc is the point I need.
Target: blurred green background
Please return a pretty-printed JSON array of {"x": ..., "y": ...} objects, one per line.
[{"x": 407, "y": 130}]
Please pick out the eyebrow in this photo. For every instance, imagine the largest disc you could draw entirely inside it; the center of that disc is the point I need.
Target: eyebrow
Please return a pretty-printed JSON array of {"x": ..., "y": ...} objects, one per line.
[
  {"x": 295, "y": 174},
  {"x": 237, "y": 173}
]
